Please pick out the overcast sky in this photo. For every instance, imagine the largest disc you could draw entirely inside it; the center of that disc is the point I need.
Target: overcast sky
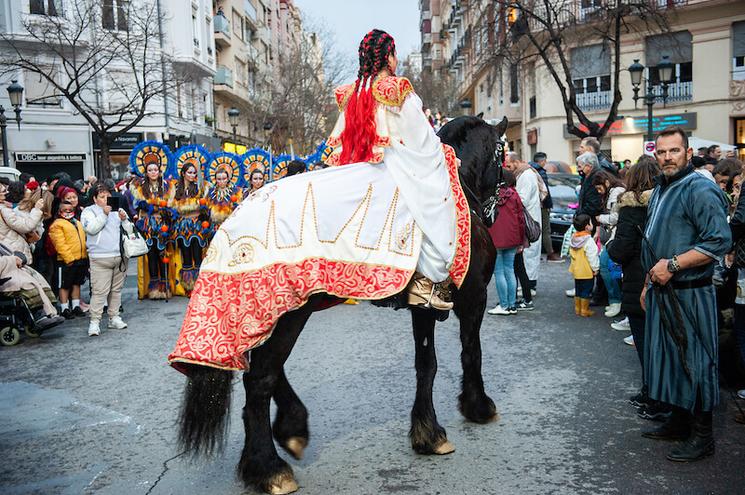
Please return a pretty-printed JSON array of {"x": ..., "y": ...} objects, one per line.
[{"x": 350, "y": 20}]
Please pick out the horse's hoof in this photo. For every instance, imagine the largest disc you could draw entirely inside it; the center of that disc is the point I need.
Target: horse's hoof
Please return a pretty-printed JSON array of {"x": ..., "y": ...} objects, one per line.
[
  {"x": 282, "y": 485},
  {"x": 445, "y": 448},
  {"x": 295, "y": 446}
]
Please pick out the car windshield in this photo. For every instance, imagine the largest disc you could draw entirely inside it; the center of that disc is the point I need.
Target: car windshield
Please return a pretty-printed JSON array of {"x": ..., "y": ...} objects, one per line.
[{"x": 563, "y": 190}]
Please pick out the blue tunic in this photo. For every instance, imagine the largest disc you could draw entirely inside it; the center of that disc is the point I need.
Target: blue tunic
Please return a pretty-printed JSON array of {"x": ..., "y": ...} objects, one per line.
[{"x": 686, "y": 211}]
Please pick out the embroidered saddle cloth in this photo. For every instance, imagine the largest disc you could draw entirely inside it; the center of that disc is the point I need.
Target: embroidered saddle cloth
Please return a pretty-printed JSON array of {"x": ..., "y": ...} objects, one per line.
[{"x": 344, "y": 231}]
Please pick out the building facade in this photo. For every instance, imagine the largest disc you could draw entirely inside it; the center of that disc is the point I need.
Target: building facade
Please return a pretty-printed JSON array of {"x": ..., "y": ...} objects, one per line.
[{"x": 705, "y": 41}]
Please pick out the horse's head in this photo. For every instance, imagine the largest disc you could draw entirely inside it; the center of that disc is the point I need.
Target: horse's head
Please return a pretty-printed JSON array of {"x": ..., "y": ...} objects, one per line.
[{"x": 480, "y": 148}]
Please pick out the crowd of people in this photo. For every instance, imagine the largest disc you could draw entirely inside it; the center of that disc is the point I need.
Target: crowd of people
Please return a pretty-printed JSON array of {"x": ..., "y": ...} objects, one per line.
[
  {"x": 661, "y": 244},
  {"x": 59, "y": 233}
]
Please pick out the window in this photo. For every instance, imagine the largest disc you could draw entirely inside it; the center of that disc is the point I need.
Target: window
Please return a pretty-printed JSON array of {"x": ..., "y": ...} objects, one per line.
[
  {"x": 590, "y": 68},
  {"x": 241, "y": 73},
  {"x": 45, "y": 7},
  {"x": 514, "y": 84},
  {"x": 114, "y": 15},
  {"x": 39, "y": 91},
  {"x": 738, "y": 50},
  {"x": 195, "y": 26},
  {"x": 679, "y": 49},
  {"x": 238, "y": 25}
]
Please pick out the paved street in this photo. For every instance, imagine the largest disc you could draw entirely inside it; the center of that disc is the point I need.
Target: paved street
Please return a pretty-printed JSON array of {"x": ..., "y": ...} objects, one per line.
[{"x": 96, "y": 415}]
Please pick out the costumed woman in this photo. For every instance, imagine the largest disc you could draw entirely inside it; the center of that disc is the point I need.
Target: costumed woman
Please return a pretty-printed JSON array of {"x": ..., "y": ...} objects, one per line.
[
  {"x": 223, "y": 175},
  {"x": 191, "y": 225},
  {"x": 150, "y": 192},
  {"x": 256, "y": 181},
  {"x": 392, "y": 218}
]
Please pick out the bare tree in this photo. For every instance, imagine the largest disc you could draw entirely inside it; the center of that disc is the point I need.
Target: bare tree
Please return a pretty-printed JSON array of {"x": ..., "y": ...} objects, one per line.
[
  {"x": 437, "y": 91},
  {"x": 547, "y": 30},
  {"x": 103, "y": 57},
  {"x": 302, "y": 109}
]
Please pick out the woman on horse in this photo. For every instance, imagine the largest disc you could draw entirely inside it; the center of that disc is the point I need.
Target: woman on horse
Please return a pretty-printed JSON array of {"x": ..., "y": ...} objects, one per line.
[{"x": 382, "y": 121}]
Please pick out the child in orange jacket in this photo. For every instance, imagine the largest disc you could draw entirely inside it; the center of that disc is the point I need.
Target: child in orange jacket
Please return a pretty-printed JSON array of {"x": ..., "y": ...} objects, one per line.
[
  {"x": 585, "y": 264},
  {"x": 68, "y": 237}
]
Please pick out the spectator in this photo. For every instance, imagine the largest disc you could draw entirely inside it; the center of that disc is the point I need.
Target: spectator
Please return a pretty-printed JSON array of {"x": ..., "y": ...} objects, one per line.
[
  {"x": 508, "y": 235},
  {"x": 539, "y": 163},
  {"x": 584, "y": 265},
  {"x": 529, "y": 185},
  {"x": 610, "y": 188},
  {"x": 702, "y": 151},
  {"x": 700, "y": 167},
  {"x": 592, "y": 145},
  {"x": 295, "y": 167},
  {"x": 68, "y": 237},
  {"x": 714, "y": 152},
  {"x": 626, "y": 249},
  {"x": 686, "y": 233},
  {"x": 15, "y": 226},
  {"x": 626, "y": 163},
  {"x": 590, "y": 202},
  {"x": 108, "y": 269}
]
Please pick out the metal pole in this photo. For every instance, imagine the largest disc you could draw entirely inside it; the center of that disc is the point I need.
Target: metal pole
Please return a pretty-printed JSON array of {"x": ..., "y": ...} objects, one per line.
[
  {"x": 235, "y": 139},
  {"x": 3, "y": 126},
  {"x": 650, "y": 103}
]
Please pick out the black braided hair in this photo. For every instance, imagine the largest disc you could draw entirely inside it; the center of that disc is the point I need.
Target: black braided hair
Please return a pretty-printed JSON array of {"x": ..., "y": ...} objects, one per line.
[{"x": 374, "y": 50}]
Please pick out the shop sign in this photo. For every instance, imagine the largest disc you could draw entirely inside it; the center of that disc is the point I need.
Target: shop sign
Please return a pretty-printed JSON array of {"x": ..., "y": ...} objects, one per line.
[
  {"x": 126, "y": 141},
  {"x": 638, "y": 125},
  {"x": 49, "y": 157}
]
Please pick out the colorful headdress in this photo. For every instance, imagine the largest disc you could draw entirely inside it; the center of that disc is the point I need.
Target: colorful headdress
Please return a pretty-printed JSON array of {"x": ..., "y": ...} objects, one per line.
[
  {"x": 279, "y": 168},
  {"x": 193, "y": 154},
  {"x": 230, "y": 163},
  {"x": 253, "y": 159},
  {"x": 149, "y": 152}
]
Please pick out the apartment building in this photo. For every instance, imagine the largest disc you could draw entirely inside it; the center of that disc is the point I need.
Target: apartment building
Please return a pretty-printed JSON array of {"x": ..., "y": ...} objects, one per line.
[
  {"x": 705, "y": 41},
  {"x": 53, "y": 136}
]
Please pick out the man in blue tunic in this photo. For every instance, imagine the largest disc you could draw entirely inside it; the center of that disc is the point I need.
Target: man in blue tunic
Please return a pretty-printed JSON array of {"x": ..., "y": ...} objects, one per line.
[{"x": 687, "y": 232}]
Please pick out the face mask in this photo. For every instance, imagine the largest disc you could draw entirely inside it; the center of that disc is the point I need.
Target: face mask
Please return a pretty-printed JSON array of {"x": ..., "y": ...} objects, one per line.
[{"x": 68, "y": 215}]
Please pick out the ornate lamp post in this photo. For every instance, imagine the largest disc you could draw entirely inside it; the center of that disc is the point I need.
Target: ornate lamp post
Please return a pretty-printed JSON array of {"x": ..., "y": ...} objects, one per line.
[
  {"x": 15, "y": 93},
  {"x": 636, "y": 70},
  {"x": 233, "y": 115}
]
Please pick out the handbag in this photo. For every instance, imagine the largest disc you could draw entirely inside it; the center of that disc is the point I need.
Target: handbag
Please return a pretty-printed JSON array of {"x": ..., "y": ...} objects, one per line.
[
  {"x": 532, "y": 228},
  {"x": 132, "y": 243}
]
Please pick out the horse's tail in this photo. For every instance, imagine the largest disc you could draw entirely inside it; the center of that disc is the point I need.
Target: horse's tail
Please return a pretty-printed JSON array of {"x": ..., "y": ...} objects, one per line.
[{"x": 203, "y": 420}]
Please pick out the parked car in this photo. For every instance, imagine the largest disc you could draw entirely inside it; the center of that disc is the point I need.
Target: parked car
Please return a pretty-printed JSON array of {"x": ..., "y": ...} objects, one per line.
[
  {"x": 563, "y": 189},
  {"x": 11, "y": 173}
]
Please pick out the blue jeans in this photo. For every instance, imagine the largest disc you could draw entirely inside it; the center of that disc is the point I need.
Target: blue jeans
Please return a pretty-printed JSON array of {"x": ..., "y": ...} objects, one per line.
[
  {"x": 612, "y": 285},
  {"x": 504, "y": 277}
]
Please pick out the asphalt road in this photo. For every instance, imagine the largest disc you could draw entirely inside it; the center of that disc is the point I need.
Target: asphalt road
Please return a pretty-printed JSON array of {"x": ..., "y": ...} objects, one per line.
[{"x": 96, "y": 415}]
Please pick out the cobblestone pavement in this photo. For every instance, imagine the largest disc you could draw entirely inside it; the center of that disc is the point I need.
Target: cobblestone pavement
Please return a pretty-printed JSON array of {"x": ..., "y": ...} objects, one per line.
[{"x": 96, "y": 415}]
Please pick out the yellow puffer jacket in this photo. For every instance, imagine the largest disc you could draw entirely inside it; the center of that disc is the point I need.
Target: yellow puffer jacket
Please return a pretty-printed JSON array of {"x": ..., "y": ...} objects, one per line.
[{"x": 68, "y": 240}]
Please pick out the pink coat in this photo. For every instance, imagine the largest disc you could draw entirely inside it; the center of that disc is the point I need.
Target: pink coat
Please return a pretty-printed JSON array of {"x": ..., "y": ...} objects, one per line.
[{"x": 508, "y": 230}]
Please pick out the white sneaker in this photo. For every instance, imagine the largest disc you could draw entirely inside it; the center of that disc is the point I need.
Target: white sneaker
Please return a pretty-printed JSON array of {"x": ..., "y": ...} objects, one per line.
[
  {"x": 93, "y": 329},
  {"x": 629, "y": 340},
  {"x": 612, "y": 310},
  {"x": 569, "y": 292},
  {"x": 621, "y": 326},
  {"x": 117, "y": 323},
  {"x": 499, "y": 310}
]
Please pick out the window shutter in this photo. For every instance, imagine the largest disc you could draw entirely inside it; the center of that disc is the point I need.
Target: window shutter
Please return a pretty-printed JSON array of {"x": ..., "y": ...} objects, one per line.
[
  {"x": 590, "y": 61},
  {"x": 738, "y": 39},
  {"x": 678, "y": 46}
]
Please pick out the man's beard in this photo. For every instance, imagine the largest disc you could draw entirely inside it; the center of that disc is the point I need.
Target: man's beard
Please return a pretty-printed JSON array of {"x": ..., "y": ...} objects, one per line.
[{"x": 669, "y": 172}]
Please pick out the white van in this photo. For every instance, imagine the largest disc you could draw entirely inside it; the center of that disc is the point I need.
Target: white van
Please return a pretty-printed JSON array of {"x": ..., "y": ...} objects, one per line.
[{"x": 11, "y": 173}]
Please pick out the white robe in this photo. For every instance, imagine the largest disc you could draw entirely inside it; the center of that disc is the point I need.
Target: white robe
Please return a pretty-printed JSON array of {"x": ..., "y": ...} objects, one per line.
[{"x": 529, "y": 191}]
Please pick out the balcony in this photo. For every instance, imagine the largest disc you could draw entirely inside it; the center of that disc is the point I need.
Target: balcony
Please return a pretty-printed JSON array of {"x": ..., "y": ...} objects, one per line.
[
  {"x": 426, "y": 40},
  {"x": 222, "y": 31},
  {"x": 677, "y": 91},
  {"x": 223, "y": 77},
  {"x": 594, "y": 101}
]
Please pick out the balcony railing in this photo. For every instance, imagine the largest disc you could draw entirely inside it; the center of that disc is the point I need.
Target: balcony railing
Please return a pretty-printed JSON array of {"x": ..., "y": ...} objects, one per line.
[
  {"x": 221, "y": 25},
  {"x": 678, "y": 91},
  {"x": 593, "y": 101},
  {"x": 223, "y": 75}
]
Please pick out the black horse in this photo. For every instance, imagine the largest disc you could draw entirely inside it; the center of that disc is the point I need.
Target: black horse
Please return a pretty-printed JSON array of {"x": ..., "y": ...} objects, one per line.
[{"x": 207, "y": 396}]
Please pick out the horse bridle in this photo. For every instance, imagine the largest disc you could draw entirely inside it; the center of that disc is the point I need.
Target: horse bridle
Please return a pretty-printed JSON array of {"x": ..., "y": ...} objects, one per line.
[{"x": 489, "y": 205}]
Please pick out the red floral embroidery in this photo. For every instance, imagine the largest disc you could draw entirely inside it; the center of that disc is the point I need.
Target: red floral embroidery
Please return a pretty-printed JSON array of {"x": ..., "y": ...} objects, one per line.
[
  {"x": 391, "y": 91},
  {"x": 333, "y": 141},
  {"x": 342, "y": 94},
  {"x": 228, "y": 314},
  {"x": 462, "y": 260}
]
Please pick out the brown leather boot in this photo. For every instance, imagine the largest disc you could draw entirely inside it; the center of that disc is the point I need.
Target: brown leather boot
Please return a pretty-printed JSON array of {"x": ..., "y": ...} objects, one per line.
[
  {"x": 421, "y": 292},
  {"x": 577, "y": 306},
  {"x": 585, "y": 308}
]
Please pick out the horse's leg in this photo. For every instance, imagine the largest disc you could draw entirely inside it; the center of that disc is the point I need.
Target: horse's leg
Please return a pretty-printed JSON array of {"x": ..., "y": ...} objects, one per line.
[
  {"x": 470, "y": 304},
  {"x": 260, "y": 465},
  {"x": 427, "y": 436},
  {"x": 290, "y": 426}
]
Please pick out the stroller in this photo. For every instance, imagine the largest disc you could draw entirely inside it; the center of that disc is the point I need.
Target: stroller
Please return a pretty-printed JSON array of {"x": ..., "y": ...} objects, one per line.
[{"x": 20, "y": 311}]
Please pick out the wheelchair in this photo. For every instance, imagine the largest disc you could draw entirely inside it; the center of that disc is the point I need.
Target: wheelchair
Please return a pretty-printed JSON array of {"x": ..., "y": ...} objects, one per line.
[{"x": 16, "y": 315}]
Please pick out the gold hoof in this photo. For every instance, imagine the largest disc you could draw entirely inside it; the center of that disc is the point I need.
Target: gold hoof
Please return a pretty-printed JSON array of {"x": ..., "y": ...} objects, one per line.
[
  {"x": 445, "y": 448},
  {"x": 296, "y": 447},
  {"x": 283, "y": 486}
]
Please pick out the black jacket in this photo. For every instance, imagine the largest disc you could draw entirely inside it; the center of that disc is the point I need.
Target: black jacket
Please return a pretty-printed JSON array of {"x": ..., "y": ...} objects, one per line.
[
  {"x": 626, "y": 249},
  {"x": 737, "y": 223},
  {"x": 547, "y": 202},
  {"x": 590, "y": 201}
]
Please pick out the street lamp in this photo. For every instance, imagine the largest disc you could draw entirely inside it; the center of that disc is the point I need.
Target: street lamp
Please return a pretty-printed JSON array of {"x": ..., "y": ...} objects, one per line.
[
  {"x": 466, "y": 105},
  {"x": 15, "y": 93},
  {"x": 233, "y": 115},
  {"x": 636, "y": 71}
]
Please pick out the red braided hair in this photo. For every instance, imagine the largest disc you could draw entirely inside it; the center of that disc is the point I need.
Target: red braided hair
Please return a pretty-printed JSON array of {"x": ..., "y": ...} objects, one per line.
[{"x": 359, "y": 131}]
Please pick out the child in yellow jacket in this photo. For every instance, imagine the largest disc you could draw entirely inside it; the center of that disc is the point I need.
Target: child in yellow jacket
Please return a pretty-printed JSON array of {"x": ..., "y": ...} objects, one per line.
[
  {"x": 585, "y": 264},
  {"x": 68, "y": 237}
]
